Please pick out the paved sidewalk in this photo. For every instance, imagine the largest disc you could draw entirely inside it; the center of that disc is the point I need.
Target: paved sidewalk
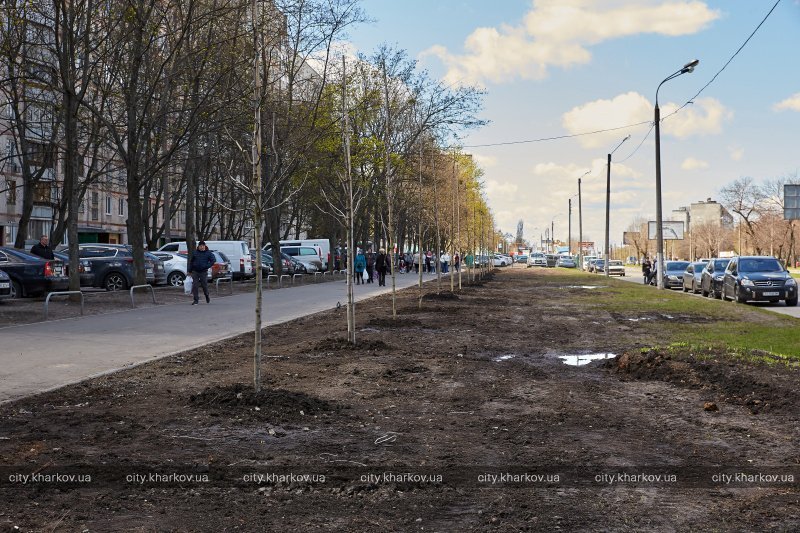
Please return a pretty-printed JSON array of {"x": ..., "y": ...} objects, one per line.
[{"x": 39, "y": 357}]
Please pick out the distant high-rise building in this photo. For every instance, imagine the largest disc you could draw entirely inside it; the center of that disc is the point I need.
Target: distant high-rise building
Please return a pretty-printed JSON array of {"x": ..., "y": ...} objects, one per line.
[{"x": 710, "y": 212}]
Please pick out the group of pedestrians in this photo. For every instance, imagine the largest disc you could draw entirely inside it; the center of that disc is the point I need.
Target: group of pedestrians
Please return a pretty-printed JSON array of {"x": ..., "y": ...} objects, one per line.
[
  {"x": 370, "y": 266},
  {"x": 648, "y": 271}
]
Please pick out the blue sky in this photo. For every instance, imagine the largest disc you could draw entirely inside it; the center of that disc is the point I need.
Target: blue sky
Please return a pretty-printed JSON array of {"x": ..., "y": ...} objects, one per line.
[{"x": 559, "y": 67}]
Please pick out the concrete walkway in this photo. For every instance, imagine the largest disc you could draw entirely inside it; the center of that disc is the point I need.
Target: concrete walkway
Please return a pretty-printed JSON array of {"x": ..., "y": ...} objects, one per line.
[{"x": 36, "y": 358}]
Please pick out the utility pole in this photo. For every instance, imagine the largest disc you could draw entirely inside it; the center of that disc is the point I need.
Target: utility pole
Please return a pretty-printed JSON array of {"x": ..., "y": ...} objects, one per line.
[
  {"x": 569, "y": 234},
  {"x": 553, "y": 236}
]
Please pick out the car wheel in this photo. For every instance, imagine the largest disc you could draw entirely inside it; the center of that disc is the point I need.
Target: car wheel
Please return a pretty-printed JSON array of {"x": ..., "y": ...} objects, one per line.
[
  {"x": 115, "y": 282},
  {"x": 694, "y": 287},
  {"x": 704, "y": 292},
  {"x": 176, "y": 279},
  {"x": 791, "y": 302},
  {"x": 16, "y": 290},
  {"x": 717, "y": 294},
  {"x": 739, "y": 298}
]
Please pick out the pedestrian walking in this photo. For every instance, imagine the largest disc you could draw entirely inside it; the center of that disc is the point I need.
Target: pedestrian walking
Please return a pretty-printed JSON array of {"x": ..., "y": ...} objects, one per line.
[
  {"x": 202, "y": 260},
  {"x": 646, "y": 268},
  {"x": 359, "y": 266},
  {"x": 42, "y": 248},
  {"x": 370, "y": 266},
  {"x": 444, "y": 259},
  {"x": 428, "y": 258},
  {"x": 381, "y": 265},
  {"x": 457, "y": 262}
]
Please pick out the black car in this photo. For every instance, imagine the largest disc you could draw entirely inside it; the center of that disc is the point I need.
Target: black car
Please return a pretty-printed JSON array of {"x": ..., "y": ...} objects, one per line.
[
  {"x": 5, "y": 286},
  {"x": 692, "y": 277},
  {"x": 758, "y": 278},
  {"x": 712, "y": 276},
  {"x": 84, "y": 268},
  {"x": 155, "y": 273},
  {"x": 31, "y": 275},
  {"x": 673, "y": 274}
]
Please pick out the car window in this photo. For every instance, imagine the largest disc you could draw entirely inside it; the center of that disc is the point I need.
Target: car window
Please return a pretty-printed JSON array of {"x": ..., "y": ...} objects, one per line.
[
  {"x": 224, "y": 257},
  {"x": 308, "y": 251},
  {"x": 171, "y": 248},
  {"x": 720, "y": 264},
  {"x": 760, "y": 265},
  {"x": 677, "y": 265}
]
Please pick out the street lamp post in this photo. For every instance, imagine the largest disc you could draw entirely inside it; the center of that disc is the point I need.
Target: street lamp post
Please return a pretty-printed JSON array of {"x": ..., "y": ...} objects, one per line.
[
  {"x": 687, "y": 68},
  {"x": 608, "y": 203},
  {"x": 580, "y": 222}
]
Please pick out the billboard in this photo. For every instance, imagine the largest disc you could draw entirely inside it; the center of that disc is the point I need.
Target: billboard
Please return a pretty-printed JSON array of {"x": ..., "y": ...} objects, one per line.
[
  {"x": 791, "y": 202},
  {"x": 671, "y": 230},
  {"x": 629, "y": 238}
]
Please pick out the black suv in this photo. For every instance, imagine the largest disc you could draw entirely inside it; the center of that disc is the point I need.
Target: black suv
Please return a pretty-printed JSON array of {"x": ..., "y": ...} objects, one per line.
[
  {"x": 713, "y": 274},
  {"x": 758, "y": 278}
]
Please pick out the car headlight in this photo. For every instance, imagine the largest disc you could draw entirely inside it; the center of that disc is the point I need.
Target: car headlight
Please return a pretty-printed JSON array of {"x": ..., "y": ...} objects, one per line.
[
  {"x": 672, "y": 278},
  {"x": 791, "y": 282},
  {"x": 746, "y": 282}
]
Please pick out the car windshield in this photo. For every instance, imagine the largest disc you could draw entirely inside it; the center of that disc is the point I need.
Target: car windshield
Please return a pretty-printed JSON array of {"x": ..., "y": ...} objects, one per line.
[
  {"x": 677, "y": 265},
  {"x": 721, "y": 264},
  {"x": 615, "y": 263},
  {"x": 760, "y": 265},
  {"x": 699, "y": 266}
]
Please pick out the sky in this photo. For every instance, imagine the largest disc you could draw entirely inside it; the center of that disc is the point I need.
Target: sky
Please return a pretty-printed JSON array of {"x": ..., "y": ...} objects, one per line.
[{"x": 564, "y": 67}]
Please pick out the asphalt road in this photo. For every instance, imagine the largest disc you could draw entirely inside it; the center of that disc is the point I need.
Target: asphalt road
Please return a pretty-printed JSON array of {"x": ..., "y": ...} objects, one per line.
[
  {"x": 36, "y": 358},
  {"x": 634, "y": 275}
]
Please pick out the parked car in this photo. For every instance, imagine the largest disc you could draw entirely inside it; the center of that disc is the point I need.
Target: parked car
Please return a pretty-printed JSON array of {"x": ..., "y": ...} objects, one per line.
[
  {"x": 537, "y": 259},
  {"x": 267, "y": 262},
  {"x": 31, "y": 275},
  {"x": 693, "y": 277},
  {"x": 154, "y": 268},
  {"x": 712, "y": 276},
  {"x": 112, "y": 265},
  {"x": 599, "y": 266},
  {"x": 552, "y": 260},
  {"x": 174, "y": 267},
  {"x": 758, "y": 278},
  {"x": 522, "y": 258},
  {"x": 307, "y": 255},
  {"x": 673, "y": 275},
  {"x": 500, "y": 260},
  {"x": 5, "y": 286},
  {"x": 587, "y": 261},
  {"x": 84, "y": 268},
  {"x": 566, "y": 262},
  {"x": 615, "y": 268}
]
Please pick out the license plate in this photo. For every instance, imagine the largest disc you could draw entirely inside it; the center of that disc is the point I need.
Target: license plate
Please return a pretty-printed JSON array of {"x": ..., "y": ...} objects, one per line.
[
  {"x": 772, "y": 294},
  {"x": 149, "y": 270},
  {"x": 4, "y": 285}
]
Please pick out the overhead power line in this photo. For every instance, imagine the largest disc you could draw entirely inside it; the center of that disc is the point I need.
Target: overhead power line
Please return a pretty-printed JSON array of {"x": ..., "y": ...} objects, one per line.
[{"x": 689, "y": 101}]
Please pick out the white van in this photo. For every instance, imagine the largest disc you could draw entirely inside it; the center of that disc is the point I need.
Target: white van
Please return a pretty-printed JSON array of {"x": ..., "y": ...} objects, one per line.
[
  {"x": 238, "y": 253},
  {"x": 321, "y": 246}
]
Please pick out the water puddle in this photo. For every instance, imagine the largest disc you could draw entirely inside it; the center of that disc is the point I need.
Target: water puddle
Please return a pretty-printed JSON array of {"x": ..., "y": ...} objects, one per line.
[
  {"x": 502, "y": 358},
  {"x": 584, "y": 359},
  {"x": 583, "y": 287},
  {"x": 640, "y": 319}
]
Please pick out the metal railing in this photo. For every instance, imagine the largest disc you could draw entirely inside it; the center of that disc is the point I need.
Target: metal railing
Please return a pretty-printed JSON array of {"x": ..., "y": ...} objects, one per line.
[
  {"x": 60, "y": 293},
  {"x": 271, "y": 277},
  {"x": 296, "y": 276},
  {"x": 280, "y": 281},
  {"x": 152, "y": 293},
  {"x": 229, "y": 279}
]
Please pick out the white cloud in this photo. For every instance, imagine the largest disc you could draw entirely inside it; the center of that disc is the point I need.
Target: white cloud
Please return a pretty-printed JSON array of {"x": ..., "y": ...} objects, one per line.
[
  {"x": 705, "y": 116},
  {"x": 792, "y": 104},
  {"x": 623, "y": 109},
  {"x": 690, "y": 163},
  {"x": 485, "y": 161},
  {"x": 559, "y": 32},
  {"x": 736, "y": 152},
  {"x": 497, "y": 190}
]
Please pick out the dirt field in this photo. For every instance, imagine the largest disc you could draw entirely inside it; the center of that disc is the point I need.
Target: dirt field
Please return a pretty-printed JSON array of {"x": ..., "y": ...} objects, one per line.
[{"x": 460, "y": 416}]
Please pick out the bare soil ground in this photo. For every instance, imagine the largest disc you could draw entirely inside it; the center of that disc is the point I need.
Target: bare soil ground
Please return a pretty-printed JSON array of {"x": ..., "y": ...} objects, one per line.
[{"x": 409, "y": 427}]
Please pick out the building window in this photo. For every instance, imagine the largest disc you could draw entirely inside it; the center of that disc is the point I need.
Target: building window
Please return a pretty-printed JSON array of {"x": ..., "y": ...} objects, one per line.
[
  {"x": 11, "y": 198},
  {"x": 95, "y": 205},
  {"x": 108, "y": 205},
  {"x": 121, "y": 207}
]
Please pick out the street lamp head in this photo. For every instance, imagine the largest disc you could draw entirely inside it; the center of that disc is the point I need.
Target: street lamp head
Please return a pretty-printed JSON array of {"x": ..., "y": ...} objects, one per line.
[{"x": 689, "y": 67}]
